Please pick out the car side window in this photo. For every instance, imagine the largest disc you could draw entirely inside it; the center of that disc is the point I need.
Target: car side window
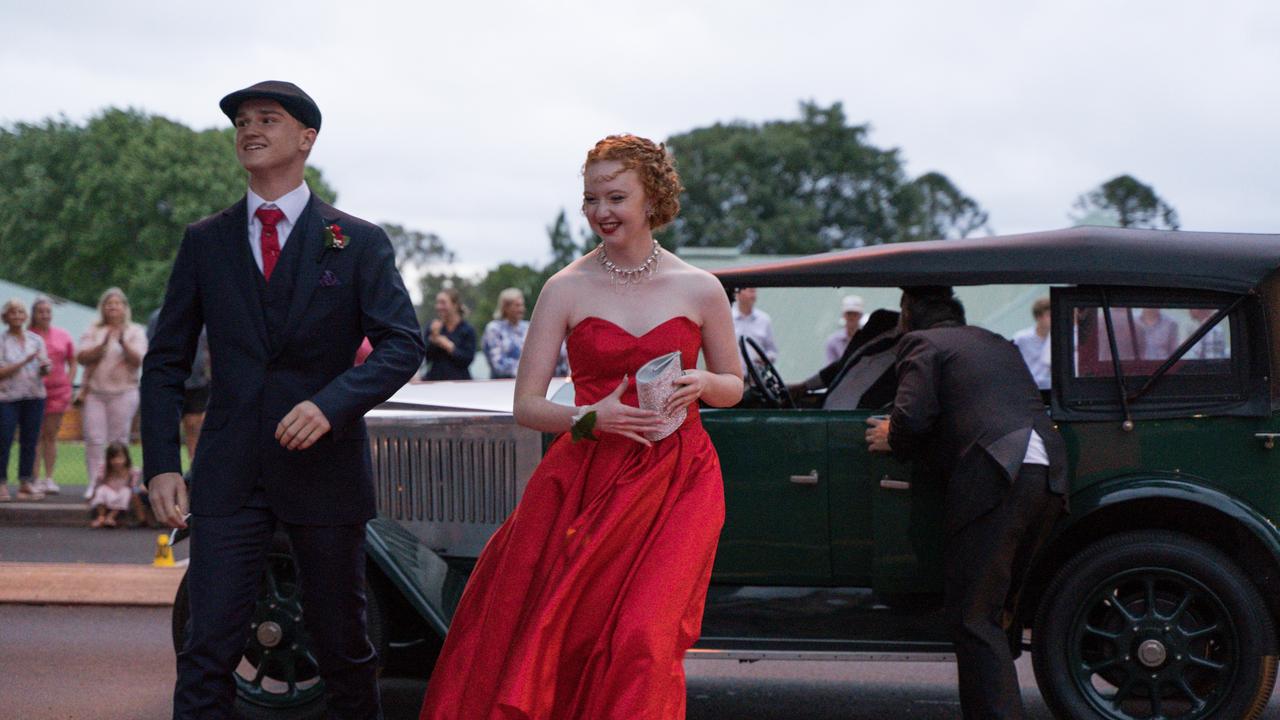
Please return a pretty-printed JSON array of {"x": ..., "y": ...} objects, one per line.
[
  {"x": 1145, "y": 337},
  {"x": 1156, "y": 353}
]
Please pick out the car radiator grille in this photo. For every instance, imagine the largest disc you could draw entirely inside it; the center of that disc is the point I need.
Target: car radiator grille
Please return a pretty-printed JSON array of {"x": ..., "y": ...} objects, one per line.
[{"x": 467, "y": 480}]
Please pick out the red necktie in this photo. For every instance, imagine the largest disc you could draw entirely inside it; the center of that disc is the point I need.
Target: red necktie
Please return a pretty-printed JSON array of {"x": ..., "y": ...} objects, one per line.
[{"x": 270, "y": 239}]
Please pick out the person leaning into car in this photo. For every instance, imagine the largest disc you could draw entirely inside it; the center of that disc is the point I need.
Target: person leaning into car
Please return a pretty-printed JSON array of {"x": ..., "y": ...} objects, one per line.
[{"x": 968, "y": 412}]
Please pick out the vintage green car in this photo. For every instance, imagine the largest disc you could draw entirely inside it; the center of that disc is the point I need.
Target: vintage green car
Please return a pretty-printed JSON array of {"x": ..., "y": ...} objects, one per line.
[{"x": 1156, "y": 597}]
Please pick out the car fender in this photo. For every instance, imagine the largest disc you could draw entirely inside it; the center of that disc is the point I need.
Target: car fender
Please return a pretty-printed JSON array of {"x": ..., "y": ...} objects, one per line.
[
  {"x": 1180, "y": 502},
  {"x": 428, "y": 583},
  {"x": 1175, "y": 487}
]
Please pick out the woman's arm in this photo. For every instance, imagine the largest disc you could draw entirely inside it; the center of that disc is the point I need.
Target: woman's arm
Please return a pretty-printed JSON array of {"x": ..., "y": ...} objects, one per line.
[
  {"x": 463, "y": 351},
  {"x": 134, "y": 343},
  {"x": 91, "y": 355},
  {"x": 8, "y": 371},
  {"x": 720, "y": 385}
]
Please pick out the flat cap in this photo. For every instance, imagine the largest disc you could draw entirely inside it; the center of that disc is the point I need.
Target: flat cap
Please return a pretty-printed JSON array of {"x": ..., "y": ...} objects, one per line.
[{"x": 291, "y": 97}]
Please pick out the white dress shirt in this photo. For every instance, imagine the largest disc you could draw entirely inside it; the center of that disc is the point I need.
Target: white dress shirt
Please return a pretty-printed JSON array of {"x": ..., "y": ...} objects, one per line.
[
  {"x": 291, "y": 204},
  {"x": 757, "y": 326},
  {"x": 1036, "y": 353}
]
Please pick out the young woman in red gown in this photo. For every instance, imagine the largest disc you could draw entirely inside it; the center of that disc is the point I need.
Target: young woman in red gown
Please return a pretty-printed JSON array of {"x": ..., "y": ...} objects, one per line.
[{"x": 582, "y": 605}]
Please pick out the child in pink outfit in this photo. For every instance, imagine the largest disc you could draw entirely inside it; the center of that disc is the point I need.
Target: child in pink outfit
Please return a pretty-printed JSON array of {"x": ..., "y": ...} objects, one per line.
[{"x": 114, "y": 487}]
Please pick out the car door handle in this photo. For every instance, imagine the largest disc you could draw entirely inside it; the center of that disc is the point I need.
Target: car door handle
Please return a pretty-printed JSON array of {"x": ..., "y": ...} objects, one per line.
[
  {"x": 810, "y": 479},
  {"x": 1268, "y": 439},
  {"x": 889, "y": 483}
]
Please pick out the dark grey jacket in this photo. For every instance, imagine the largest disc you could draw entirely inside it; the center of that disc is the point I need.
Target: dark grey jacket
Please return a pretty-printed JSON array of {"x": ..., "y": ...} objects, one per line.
[{"x": 964, "y": 412}]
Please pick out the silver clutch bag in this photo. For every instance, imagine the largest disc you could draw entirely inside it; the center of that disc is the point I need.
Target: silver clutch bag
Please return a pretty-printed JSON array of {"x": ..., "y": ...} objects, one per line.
[{"x": 655, "y": 384}]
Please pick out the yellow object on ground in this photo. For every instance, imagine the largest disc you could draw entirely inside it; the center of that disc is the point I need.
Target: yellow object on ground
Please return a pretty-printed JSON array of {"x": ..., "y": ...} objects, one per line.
[{"x": 164, "y": 552}]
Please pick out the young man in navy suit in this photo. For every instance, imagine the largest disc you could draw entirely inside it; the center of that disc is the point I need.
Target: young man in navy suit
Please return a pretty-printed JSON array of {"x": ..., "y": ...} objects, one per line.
[{"x": 287, "y": 288}]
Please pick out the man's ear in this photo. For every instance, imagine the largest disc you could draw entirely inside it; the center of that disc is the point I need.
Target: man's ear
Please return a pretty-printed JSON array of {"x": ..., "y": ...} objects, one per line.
[{"x": 308, "y": 139}]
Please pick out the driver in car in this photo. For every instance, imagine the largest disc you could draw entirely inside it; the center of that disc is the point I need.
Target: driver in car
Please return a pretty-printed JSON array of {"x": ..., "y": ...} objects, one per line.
[{"x": 862, "y": 377}]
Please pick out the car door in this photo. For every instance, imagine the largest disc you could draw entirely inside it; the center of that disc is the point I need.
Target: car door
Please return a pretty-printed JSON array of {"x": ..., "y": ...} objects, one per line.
[
  {"x": 776, "y": 528},
  {"x": 852, "y": 497},
  {"x": 909, "y": 518},
  {"x": 886, "y": 530}
]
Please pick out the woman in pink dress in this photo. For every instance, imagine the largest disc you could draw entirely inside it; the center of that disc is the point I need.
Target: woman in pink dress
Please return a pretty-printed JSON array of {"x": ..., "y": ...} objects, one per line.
[
  {"x": 57, "y": 387},
  {"x": 582, "y": 605},
  {"x": 111, "y": 351}
]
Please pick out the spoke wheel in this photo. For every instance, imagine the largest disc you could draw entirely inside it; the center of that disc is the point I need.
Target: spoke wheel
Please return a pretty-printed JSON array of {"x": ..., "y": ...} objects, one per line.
[
  {"x": 1154, "y": 626},
  {"x": 279, "y": 669},
  {"x": 279, "y": 677}
]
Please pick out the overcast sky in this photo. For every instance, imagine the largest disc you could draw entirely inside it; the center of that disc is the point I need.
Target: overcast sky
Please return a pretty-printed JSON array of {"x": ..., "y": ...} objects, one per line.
[{"x": 472, "y": 119}]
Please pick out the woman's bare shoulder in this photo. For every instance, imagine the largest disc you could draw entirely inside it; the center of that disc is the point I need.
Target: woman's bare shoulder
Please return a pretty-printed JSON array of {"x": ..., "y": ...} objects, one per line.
[
  {"x": 686, "y": 273},
  {"x": 567, "y": 286},
  {"x": 701, "y": 290}
]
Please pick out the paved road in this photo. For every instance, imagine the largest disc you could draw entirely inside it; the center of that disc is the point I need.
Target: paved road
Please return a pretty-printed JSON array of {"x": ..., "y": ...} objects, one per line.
[
  {"x": 93, "y": 662},
  {"x": 80, "y": 545},
  {"x": 89, "y": 663}
]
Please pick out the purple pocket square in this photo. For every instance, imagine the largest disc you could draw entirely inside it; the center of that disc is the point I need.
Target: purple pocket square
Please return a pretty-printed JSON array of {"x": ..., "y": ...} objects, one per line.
[{"x": 328, "y": 279}]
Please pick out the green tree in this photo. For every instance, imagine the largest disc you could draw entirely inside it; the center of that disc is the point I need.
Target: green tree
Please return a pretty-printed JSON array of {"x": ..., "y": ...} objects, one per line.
[
  {"x": 87, "y": 207},
  {"x": 941, "y": 210},
  {"x": 564, "y": 248},
  {"x": 1129, "y": 202},
  {"x": 414, "y": 247},
  {"x": 804, "y": 186},
  {"x": 526, "y": 278},
  {"x": 481, "y": 295}
]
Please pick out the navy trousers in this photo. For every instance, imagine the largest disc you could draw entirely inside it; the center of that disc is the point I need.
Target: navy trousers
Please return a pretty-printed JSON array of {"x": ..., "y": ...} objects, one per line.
[
  {"x": 228, "y": 557},
  {"x": 24, "y": 418}
]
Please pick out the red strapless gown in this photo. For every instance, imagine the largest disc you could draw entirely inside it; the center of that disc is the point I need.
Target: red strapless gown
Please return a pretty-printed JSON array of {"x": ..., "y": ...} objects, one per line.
[{"x": 582, "y": 605}]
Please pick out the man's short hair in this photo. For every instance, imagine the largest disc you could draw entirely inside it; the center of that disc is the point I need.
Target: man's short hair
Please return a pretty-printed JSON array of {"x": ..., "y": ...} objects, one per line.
[
  {"x": 1040, "y": 306},
  {"x": 929, "y": 305}
]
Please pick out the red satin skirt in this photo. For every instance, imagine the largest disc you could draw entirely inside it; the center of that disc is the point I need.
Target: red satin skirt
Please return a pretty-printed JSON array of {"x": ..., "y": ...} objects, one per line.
[{"x": 582, "y": 605}]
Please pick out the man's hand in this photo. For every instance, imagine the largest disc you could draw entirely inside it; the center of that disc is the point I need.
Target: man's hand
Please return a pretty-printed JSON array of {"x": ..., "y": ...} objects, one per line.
[
  {"x": 878, "y": 434},
  {"x": 168, "y": 493},
  {"x": 302, "y": 427}
]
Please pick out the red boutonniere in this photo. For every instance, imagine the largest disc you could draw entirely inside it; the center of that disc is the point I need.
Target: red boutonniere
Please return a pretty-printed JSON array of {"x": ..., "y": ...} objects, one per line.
[{"x": 333, "y": 237}]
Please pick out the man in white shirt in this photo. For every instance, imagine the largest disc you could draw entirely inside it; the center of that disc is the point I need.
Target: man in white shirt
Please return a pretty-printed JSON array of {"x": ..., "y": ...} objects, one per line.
[
  {"x": 753, "y": 323},
  {"x": 288, "y": 287},
  {"x": 1033, "y": 343},
  {"x": 851, "y": 308}
]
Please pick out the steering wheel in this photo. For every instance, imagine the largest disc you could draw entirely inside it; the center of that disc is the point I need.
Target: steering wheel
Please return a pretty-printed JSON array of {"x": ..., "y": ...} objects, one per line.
[{"x": 766, "y": 378}]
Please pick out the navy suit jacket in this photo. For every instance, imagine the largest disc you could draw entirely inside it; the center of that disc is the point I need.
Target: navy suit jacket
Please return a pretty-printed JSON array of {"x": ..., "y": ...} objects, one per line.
[
  {"x": 964, "y": 411},
  {"x": 339, "y": 296}
]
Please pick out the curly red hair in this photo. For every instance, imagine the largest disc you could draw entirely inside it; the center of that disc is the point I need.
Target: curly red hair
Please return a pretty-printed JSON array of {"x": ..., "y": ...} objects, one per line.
[{"x": 654, "y": 165}]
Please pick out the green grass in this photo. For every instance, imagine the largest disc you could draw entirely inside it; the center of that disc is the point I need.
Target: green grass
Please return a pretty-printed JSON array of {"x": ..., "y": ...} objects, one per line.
[{"x": 69, "y": 469}]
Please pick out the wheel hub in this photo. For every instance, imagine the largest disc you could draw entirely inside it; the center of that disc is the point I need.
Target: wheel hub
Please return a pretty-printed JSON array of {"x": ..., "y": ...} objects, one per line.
[
  {"x": 269, "y": 634},
  {"x": 1152, "y": 653}
]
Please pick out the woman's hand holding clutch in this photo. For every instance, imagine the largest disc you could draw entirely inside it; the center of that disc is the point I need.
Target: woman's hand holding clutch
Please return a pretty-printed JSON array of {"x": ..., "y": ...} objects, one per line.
[
  {"x": 689, "y": 388},
  {"x": 613, "y": 416}
]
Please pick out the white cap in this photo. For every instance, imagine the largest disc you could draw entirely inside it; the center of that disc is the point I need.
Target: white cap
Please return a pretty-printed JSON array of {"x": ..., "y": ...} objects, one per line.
[{"x": 851, "y": 303}]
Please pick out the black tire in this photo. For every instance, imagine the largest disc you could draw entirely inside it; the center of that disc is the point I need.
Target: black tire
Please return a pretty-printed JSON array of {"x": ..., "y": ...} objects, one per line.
[
  {"x": 262, "y": 697},
  {"x": 1153, "y": 624}
]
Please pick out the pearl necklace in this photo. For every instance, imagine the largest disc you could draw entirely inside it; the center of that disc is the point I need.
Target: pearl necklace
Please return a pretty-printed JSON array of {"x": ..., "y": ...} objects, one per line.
[{"x": 629, "y": 276}]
